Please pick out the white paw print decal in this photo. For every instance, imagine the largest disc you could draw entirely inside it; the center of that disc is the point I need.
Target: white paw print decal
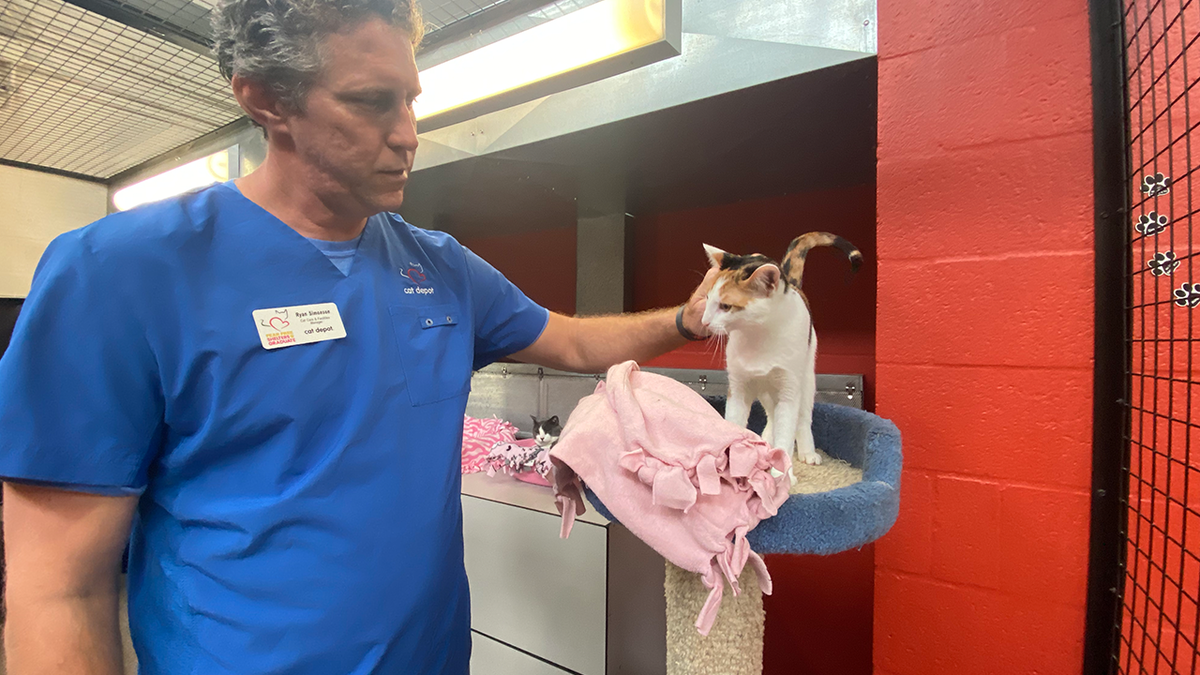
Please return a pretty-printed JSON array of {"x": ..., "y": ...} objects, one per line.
[
  {"x": 1156, "y": 184},
  {"x": 1188, "y": 295},
  {"x": 1163, "y": 264},
  {"x": 1151, "y": 223}
]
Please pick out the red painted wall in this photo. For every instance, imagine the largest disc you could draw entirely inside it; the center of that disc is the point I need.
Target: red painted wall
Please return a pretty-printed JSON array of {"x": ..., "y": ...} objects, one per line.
[
  {"x": 541, "y": 263},
  {"x": 984, "y": 340}
]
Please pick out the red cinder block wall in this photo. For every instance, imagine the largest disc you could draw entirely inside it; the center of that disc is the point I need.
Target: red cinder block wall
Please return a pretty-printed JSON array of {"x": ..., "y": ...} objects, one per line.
[{"x": 984, "y": 341}]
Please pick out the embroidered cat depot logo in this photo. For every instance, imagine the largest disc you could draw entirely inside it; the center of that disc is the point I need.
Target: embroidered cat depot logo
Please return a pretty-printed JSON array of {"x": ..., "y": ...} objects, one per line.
[
  {"x": 415, "y": 273},
  {"x": 416, "y": 276}
]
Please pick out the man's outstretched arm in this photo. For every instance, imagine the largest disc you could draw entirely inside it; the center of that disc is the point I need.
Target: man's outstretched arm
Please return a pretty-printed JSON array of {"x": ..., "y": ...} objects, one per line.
[{"x": 592, "y": 344}]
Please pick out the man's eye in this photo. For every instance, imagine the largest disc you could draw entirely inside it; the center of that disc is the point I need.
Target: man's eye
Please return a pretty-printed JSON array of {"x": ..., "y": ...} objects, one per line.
[{"x": 380, "y": 104}]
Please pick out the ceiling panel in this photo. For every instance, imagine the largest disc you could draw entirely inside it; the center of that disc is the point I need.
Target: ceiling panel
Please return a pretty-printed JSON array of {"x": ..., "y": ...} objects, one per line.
[
  {"x": 189, "y": 18},
  {"x": 441, "y": 13},
  {"x": 92, "y": 96},
  {"x": 87, "y": 94}
]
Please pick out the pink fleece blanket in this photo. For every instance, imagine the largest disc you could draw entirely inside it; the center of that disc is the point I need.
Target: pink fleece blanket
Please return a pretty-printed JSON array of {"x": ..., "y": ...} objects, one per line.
[
  {"x": 522, "y": 460},
  {"x": 479, "y": 437},
  {"x": 673, "y": 471}
]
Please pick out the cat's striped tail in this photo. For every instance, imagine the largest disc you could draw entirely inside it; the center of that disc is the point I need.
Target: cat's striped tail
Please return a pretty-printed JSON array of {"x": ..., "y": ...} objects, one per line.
[{"x": 793, "y": 260}]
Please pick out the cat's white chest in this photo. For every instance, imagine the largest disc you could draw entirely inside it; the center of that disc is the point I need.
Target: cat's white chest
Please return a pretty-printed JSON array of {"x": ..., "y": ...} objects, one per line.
[
  {"x": 750, "y": 370},
  {"x": 753, "y": 361}
]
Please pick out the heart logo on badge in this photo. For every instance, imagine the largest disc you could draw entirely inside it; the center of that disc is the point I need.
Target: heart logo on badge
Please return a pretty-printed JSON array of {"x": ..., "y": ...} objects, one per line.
[{"x": 279, "y": 324}]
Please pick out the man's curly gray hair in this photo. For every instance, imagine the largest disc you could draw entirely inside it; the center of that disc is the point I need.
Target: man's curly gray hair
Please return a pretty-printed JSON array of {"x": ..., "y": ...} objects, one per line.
[{"x": 278, "y": 42}]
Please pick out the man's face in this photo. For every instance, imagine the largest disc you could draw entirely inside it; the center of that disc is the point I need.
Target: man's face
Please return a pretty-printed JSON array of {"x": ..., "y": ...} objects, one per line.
[{"x": 358, "y": 134}]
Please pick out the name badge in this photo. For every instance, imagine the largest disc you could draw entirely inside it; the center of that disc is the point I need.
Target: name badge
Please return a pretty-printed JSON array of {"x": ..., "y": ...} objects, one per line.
[{"x": 299, "y": 325}]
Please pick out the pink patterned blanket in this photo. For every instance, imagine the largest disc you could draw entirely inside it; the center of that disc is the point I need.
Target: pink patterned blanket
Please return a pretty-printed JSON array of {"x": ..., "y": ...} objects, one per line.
[
  {"x": 479, "y": 437},
  {"x": 491, "y": 445}
]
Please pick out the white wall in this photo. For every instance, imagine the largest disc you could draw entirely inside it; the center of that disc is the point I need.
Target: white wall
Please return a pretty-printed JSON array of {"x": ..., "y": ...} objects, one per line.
[{"x": 35, "y": 207}]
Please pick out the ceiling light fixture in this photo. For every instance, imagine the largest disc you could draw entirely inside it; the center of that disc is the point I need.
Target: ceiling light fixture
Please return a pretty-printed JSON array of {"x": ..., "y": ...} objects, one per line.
[
  {"x": 200, "y": 173},
  {"x": 589, "y": 44}
]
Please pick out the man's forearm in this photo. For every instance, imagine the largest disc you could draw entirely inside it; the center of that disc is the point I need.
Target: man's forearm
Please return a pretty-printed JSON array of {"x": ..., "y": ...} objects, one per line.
[
  {"x": 593, "y": 344},
  {"x": 61, "y": 635},
  {"x": 603, "y": 341}
]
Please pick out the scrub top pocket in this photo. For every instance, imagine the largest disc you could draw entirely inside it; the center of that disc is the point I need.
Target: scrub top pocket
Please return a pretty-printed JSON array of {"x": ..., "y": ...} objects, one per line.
[{"x": 436, "y": 349}]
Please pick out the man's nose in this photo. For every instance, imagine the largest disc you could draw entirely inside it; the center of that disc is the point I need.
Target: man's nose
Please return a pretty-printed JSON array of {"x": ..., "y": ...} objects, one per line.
[{"x": 404, "y": 133}]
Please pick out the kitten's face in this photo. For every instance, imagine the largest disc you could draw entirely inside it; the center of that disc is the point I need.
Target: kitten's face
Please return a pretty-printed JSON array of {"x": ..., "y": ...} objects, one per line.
[
  {"x": 546, "y": 433},
  {"x": 742, "y": 292}
]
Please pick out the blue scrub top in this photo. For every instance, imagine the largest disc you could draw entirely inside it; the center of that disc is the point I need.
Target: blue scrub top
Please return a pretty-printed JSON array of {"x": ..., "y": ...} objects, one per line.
[{"x": 300, "y": 508}]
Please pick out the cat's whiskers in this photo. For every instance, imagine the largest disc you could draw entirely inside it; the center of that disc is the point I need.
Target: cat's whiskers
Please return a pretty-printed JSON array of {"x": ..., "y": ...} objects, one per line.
[{"x": 716, "y": 345}]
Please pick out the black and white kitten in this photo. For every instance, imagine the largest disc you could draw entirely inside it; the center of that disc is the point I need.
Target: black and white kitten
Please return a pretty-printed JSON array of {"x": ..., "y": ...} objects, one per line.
[{"x": 546, "y": 432}]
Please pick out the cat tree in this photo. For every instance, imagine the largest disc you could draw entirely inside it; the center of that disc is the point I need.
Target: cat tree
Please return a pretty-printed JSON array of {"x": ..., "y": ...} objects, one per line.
[{"x": 812, "y": 523}]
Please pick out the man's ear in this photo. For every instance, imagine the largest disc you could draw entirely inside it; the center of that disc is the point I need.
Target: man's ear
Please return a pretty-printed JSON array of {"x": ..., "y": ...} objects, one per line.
[{"x": 260, "y": 103}]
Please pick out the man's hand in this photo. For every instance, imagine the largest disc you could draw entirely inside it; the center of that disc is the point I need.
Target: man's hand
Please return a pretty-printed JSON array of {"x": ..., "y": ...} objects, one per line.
[
  {"x": 693, "y": 311},
  {"x": 593, "y": 344}
]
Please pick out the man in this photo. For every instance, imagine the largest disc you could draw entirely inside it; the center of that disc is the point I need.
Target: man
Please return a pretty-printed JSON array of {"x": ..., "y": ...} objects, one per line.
[{"x": 266, "y": 381}]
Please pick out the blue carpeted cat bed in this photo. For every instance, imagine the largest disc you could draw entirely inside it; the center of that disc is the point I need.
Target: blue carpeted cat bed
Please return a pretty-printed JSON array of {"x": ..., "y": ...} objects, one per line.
[{"x": 844, "y": 518}]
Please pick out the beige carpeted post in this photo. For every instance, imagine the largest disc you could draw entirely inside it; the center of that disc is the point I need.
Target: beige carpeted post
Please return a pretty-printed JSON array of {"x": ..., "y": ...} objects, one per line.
[{"x": 735, "y": 644}]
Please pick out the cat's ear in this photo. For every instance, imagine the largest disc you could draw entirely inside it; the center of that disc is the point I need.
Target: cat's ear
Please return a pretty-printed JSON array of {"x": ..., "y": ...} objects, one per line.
[
  {"x": 765, "y": 278},
  {"x": 535, "y": 422},
  {"x": 715, "y": 255},
  {"x": 552, "y": 420}
]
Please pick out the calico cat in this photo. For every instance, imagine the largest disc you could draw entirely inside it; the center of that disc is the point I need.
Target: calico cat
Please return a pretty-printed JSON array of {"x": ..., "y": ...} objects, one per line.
[
  {"x": 546, "y": 432},
  {"x": 756, "y": 305}
]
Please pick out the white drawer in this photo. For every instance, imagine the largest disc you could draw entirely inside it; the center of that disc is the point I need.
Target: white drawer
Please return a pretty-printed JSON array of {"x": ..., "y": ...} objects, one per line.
[
  {"x": 489, "y": 657},
  {"x": 532, "y": 590}
]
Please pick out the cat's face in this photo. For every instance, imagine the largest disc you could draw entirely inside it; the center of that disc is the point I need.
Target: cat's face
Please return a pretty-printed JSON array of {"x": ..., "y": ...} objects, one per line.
[
  {"x": 546, "y": 432},
  {"x": 742, "y": 292}
]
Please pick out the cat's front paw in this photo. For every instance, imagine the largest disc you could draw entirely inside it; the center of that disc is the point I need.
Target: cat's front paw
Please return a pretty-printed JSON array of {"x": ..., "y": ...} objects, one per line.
[{"x": 811, "y": 458}]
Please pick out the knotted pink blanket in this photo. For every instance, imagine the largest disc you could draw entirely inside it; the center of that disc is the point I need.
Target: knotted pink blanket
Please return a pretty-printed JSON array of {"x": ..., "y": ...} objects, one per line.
[{"x": 673, "y": 471}]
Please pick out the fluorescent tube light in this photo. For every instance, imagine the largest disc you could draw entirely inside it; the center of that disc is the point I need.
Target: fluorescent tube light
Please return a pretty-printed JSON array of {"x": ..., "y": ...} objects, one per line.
[
  {"x": 586, "y": 37},
  {"x": 200, "y": 173}
]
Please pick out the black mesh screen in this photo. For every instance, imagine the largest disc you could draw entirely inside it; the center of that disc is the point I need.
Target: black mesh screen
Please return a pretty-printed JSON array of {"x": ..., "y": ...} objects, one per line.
[{"x": 1157, "y": 629}]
